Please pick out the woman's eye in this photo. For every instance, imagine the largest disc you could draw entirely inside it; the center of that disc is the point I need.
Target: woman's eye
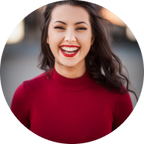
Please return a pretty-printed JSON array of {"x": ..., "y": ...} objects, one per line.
[
  {"x": 81, "y": 28},
  {"x": 59, "y": 28},
  {"x": 63, "y": 28}
]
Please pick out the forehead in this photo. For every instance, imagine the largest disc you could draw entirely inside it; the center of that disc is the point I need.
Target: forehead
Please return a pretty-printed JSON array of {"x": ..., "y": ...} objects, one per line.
[{"x": 70, "y": 13}]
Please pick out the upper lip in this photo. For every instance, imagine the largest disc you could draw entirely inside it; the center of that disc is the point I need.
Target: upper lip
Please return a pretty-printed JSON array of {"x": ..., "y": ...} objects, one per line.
[{"x": 69, "y": 46}]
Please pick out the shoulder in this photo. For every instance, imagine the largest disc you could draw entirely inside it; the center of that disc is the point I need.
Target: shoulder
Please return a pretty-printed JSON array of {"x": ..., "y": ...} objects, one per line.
[
  {"x": 35, "y": 83},
  {"x": 26, "y": 90}
]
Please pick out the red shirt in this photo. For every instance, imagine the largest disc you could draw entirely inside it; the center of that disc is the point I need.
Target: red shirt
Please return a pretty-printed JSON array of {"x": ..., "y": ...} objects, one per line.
[{"x": 69, "y": 110}]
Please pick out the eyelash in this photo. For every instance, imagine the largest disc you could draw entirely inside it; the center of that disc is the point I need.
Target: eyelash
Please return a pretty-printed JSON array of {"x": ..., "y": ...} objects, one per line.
[{"x": 80, "y": 28}]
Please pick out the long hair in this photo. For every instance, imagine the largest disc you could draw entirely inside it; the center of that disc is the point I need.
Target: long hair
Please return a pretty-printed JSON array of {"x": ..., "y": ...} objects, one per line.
[{"x": 102, "y": 64}]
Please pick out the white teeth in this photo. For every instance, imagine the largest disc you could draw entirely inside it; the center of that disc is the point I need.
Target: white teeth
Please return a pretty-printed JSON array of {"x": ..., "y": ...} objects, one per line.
[{"x": 69, "y": 48}]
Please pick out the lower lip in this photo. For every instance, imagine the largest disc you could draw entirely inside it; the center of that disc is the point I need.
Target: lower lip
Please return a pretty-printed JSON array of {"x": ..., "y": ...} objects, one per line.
[{"x": 68, "y": 55}]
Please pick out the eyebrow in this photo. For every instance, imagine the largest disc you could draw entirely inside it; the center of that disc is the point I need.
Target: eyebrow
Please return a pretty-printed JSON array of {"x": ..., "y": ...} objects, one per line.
[{"x": 75, "y": 23}]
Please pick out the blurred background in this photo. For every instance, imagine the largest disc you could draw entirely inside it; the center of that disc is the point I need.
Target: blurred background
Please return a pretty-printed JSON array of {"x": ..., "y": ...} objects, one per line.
[{"x": 20, "y": 56}]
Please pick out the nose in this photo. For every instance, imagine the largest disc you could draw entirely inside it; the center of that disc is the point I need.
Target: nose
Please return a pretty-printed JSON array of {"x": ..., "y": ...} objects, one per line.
[{"x": 70, "y": 37}]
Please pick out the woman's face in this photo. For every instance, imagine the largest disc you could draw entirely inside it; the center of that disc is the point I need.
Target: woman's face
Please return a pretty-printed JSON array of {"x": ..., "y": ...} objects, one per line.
[{"x": 70, "y": 35}]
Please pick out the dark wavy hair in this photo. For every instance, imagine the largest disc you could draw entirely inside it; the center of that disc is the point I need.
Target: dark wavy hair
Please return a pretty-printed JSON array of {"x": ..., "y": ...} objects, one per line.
[{"x": 102, "y": 64}]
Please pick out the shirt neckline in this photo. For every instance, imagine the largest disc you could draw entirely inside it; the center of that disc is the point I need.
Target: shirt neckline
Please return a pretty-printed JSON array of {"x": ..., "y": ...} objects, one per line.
[{"x": 71, "y": 84}]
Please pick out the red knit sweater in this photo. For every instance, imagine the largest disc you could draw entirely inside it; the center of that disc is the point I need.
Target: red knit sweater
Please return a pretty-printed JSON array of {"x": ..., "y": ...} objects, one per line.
[{"x": 69, "y": 110}]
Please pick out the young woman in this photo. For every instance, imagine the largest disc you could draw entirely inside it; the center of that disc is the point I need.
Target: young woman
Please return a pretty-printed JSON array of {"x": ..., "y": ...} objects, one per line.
[{"x": 81, "y": 95}]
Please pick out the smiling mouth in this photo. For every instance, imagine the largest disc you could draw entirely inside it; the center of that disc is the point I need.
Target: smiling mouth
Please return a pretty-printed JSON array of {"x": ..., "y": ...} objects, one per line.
[{"x": 69, "y": 51}]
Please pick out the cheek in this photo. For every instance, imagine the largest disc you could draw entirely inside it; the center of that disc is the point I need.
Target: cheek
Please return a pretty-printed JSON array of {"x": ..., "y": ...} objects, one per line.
[
  {"x": 54, "y": 51},
  {"x": 85, "y": 48}
]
